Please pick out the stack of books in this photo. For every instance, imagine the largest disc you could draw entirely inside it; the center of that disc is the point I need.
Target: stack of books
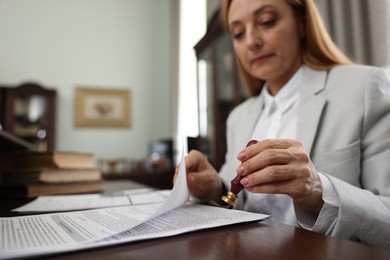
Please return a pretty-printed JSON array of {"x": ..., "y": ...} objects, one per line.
[{"x": 50, "y": 173}]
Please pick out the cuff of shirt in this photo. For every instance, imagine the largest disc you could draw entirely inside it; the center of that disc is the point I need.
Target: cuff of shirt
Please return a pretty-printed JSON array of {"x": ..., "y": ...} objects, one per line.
[{"x": 324, "y": 221}]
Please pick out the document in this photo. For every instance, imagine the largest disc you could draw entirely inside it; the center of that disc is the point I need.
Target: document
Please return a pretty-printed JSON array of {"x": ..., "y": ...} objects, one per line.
[
  {"x": 44, "y": 234},
  {"x": 93, "y": 201}
]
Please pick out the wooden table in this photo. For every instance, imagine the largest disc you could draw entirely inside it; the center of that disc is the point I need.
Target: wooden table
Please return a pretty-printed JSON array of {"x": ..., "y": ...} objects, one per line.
[{"x": 261, "y": 240}]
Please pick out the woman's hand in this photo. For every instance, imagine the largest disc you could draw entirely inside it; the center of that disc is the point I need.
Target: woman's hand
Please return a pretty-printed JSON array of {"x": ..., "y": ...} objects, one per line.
[
  {"x": 281, "y": 167},
  {"x": 202, "y": 179}
]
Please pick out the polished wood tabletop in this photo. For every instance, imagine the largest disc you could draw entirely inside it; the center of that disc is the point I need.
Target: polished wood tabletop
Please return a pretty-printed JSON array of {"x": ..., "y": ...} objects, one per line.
[
  {"x": 259, "y": 240},
  {"x": 263, "y": 240}
]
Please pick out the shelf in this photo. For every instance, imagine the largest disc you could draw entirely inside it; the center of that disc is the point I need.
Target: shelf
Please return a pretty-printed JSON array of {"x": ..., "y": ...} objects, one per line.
[{"x": 158, "y": 180}]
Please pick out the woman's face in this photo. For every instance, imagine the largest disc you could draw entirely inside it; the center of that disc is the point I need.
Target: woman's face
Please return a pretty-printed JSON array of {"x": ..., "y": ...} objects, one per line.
[{"x": 267, "y": 39}]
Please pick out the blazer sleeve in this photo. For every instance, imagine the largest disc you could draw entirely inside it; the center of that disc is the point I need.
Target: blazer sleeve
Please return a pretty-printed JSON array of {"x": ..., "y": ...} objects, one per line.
[{"x": 364, "y": 213}]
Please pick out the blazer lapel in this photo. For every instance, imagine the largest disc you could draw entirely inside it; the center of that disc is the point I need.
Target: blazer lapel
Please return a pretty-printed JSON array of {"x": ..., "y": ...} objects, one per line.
[
  {"x": 249, "y": 121},
  {"x": 311, "y": 106}
]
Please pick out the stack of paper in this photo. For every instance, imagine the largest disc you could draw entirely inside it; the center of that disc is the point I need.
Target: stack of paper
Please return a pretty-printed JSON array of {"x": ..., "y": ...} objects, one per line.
[{"x": 45, "y": 234}]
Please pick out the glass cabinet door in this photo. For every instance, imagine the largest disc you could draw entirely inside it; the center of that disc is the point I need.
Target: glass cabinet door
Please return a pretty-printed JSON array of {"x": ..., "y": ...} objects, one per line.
[
  {"x": 220, "y": 89},
  {"x": 28, "y": 112},
  {"x": 31, "y": 123},
  {"x": 206, "y": 106}
]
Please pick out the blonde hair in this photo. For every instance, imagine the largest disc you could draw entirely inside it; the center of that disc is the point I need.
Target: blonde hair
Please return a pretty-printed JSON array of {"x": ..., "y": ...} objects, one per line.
[{"x": 318, "y": 50}]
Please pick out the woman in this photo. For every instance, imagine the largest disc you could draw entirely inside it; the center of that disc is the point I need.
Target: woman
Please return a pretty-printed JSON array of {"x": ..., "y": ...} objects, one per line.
[{"x": 323, "y": 126}]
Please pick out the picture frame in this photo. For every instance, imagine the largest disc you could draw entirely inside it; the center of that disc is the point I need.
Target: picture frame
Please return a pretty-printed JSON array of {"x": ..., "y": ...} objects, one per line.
[{"x": 102, "y": 107}]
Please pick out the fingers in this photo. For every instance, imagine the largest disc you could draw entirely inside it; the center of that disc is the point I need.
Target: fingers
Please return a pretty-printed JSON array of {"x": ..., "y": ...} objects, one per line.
[
  {"x": 277, "y": 173},
  {"x": 175, "y": 175},
  {"x": 193, "y": 162},
  {"x": 205, "y": 185},
  {"x": 278, "y": 167},
  {"x": 288, "y": 179},
  {"x": 202, "y": 179},
  {"x": 305, "y": 189},
  {"x": 272, "y": 157},
  {"x": 265, "y": 145},
  {"x": 270, "y": 152}
]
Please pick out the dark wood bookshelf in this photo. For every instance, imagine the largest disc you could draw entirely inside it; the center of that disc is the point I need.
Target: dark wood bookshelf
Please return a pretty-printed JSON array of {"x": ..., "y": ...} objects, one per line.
[
  {"x": 155, "y": 179},
  {"x": 9, "y": 142},
  {"x": 9, "y": 145}
]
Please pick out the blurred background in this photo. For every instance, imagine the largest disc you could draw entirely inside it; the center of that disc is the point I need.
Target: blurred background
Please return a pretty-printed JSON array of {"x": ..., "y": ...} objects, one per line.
[{"x": 168, "y": 54}]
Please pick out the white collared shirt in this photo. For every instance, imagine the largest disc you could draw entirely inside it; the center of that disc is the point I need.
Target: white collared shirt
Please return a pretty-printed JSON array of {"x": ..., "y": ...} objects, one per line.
[
  {"x": 279, "y": 116},
  {"x": 278, "y": 120}
]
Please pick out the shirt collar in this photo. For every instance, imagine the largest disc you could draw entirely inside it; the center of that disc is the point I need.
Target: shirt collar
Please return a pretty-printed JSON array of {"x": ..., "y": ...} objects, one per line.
[{"x": 286, "y": 96}]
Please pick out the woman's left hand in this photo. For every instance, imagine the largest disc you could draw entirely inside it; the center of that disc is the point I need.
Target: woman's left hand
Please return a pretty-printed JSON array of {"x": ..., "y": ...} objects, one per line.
[{"x": 281, "y": 166}]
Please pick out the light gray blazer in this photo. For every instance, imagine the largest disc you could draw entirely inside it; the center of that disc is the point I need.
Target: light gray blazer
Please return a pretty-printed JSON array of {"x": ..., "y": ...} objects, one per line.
[{"x": 344, "y": 124}]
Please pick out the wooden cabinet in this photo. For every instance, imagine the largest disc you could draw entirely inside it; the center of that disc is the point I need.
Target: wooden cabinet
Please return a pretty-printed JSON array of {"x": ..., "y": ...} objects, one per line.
[
  {"x": 10, "y": 144},
  {"x": 28, "y": 112},
  {"x": 220, "y": 89}
]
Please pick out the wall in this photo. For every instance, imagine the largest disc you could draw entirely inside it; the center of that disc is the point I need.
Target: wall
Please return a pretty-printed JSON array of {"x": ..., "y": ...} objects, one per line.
[{"x": 99, "y": 43}]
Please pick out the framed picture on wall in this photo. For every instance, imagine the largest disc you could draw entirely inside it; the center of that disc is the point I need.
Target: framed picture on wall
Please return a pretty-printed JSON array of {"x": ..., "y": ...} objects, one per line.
[{"x": 102, "y": 107}]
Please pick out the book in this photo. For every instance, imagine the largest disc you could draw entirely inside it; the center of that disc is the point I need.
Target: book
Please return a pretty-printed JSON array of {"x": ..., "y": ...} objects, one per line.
[
  {"x": 48, "y": 175},
  {"x": 53, "y": 159},
  {"x": 32, "y": 190}
]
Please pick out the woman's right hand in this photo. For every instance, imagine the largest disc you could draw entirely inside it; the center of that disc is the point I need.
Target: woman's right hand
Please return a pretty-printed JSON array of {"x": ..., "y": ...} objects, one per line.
[{"x": 202, "y": 179}]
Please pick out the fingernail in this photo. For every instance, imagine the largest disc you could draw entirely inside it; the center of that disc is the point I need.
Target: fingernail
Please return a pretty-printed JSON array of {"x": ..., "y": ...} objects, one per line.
[
  {"x": 241, "y": 156},
  {"x": 244, "y": 181},
  {"x": 240, "y": 169},
  {"x": 192, "y": 178}
]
